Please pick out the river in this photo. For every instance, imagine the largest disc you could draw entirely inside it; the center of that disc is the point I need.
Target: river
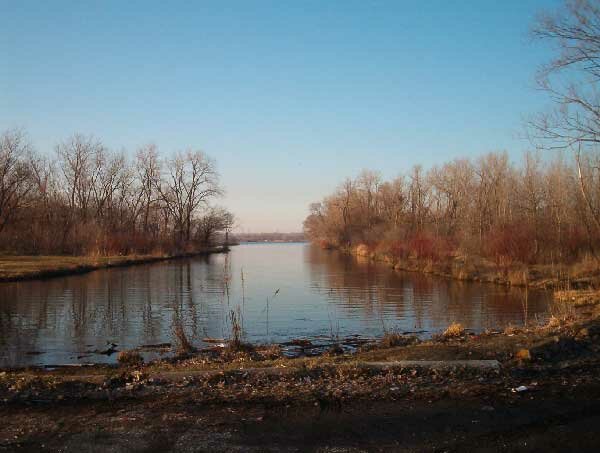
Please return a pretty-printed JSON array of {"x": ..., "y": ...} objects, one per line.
[{"x": 279, "y": 291}]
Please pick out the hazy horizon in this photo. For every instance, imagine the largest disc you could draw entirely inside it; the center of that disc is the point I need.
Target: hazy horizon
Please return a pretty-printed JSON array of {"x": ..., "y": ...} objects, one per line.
[{"x": 288, "y": 98}]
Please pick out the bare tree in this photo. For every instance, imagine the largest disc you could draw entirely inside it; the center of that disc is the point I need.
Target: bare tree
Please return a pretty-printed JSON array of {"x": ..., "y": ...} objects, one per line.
[
  {"x": 190, "y": 181},
  {"x": 571, "y": 80},
  {"x": 215, "y": 220},
  {"x": 15, "y": 175},
  {"x": 148, "y": 175},
  {"x": 78, "y": 160}
]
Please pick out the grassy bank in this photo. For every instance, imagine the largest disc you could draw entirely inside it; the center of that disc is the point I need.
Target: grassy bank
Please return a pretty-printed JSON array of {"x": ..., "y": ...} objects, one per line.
[
  {"x": 582, "y": 275},
  {"x": 20, "y": 267}
]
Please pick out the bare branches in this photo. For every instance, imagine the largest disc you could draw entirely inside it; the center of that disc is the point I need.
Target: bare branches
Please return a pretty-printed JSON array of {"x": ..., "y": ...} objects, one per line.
[
  {"x": 570, "y": 79},
  {"x": 532, "y": 212},
  {"x": 94, "y": 200},
  {"x": 15, "y": 181},
  {"x": 190, "y": 180}
]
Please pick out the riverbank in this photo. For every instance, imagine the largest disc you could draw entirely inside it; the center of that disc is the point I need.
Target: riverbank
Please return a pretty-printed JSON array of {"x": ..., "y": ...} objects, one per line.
[
  {"x": 20, "y": 267},
  {"x": 457, "y": 392},
  {"x": 585, "y": 275}
]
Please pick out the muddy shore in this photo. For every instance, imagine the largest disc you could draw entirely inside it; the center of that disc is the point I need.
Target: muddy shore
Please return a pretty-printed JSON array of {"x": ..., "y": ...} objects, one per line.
[{"x": 543, "y": 396}]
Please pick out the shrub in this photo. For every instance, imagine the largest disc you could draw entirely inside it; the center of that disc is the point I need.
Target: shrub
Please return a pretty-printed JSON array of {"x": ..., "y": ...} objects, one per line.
[
  {"x": 130, "y": 358},
  {"x": 575, "y": 241},
  {"x": 398, "y": 249},
  {"x": 362, "y": 250},
  {"x": 236, "y": 343},
  {"x": 454, "y": 330},
  {"x": 393, "y": 339},
  {"x": 424, "y": 245},
  {"x": 325, "y": 244},
  {"x": 506, "y": 244}
]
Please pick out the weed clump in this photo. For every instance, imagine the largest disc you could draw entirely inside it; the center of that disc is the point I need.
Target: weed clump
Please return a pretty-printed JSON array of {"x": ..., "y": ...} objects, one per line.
[
  {"x": 393, "y": 339},
  {"x": 130, "y": 358},
  {"x": 454, "y": 330},
  {"x": 236, "y": 343}
]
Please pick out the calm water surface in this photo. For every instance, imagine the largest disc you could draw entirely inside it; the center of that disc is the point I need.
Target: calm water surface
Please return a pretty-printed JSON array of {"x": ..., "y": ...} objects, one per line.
[{"x": 318, "y": 292}]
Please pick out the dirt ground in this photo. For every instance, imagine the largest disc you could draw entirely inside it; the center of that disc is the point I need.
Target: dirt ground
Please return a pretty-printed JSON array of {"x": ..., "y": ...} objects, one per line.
[
  {"x": 539, "y": 423},
  {"x": 545, "y": 396}
]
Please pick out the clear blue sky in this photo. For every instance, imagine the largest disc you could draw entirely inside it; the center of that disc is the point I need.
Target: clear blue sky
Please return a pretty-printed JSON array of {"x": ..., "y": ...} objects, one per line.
[{"x": 289, "y": 97}]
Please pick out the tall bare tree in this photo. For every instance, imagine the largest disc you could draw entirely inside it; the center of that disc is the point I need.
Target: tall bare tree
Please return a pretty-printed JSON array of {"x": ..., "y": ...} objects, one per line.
[
  {"x": 15, "y": 175},
  {"x": 190, "y": 180},
  {"x": 571, "y": 81},
  {"x": 216, "y": 219}
]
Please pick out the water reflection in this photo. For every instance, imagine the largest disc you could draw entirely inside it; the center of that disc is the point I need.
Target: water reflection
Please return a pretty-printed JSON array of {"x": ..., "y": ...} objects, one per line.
[
  {"x": 62, "y": 320},
  {"x": 414, "y": 301}
]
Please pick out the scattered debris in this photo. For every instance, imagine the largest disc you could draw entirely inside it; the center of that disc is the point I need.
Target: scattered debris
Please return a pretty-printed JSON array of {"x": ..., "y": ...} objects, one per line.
[{"x": 520, "y": 389}]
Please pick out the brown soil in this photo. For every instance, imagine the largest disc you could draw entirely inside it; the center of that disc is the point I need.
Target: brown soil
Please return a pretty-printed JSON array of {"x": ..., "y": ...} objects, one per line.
[{"x": 254, "y": 401}]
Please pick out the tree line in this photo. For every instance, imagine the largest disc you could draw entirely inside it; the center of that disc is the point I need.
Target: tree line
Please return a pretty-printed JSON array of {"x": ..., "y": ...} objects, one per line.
[
  {"x": 87, "y": 199},
  {"x": 534, "y": 212}
]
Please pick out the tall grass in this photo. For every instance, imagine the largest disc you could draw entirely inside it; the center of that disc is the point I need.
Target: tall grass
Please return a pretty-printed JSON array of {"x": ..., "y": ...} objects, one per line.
[
  {"x": 236, "y": 342},
  {"x": 334, "y": 332},
  {"x": 267, "y": 307}
]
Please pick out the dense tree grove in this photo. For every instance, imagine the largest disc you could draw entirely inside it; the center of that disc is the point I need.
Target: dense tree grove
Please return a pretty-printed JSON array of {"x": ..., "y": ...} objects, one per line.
[
  {"x": 529, "y": 213},
  {"x": 87, "y": 199}
]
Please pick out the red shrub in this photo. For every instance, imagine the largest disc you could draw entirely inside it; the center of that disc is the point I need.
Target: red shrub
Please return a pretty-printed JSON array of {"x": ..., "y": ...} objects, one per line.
[
  {"x": 422, "y": 246},
  {"x": 399, "y": 249},
  {"x": 575, "y": 241},
  {"x": 325, "y": 244},
  {"x": 509, "y": 243}
]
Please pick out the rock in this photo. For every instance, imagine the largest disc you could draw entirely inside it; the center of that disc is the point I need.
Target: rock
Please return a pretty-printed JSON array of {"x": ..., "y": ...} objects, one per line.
[
  {"x": 433, "y": 364},
  {"x": 523, "y": 354}
]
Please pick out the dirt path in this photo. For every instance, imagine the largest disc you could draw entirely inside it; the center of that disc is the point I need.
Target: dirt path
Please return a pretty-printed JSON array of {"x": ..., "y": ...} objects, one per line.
[{"x": 542, "y": 423}]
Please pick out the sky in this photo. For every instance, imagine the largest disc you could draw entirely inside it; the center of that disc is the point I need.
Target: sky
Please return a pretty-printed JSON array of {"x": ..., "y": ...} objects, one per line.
[{"x": 289, "y": 97}]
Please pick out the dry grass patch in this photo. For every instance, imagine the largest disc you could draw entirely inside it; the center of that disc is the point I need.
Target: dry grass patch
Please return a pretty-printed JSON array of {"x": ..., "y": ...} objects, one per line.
[
  {"x": 587, "y": 266},
  {"x": 511, "y": 330},
  {"x": 518, "y": 277},
  {"x": 454, "y": 330},
  {"x": 21, "y": 266},
  {"x": 393, "y": 339},
  {"x": 578, "y": 297},
  {"x": 130, "y": 358}
]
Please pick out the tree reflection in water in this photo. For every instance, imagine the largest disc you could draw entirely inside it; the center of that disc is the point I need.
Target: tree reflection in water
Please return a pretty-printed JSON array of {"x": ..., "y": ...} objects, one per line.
[{"x": 63, "y": 318}]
